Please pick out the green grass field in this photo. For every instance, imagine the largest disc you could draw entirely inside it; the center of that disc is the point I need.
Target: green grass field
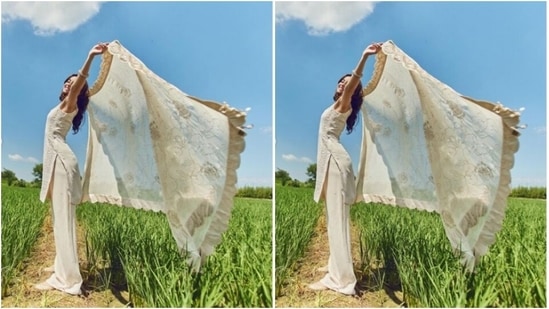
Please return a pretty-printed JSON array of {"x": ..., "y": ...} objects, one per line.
[
  {"x": 22, "y": 217},
  {"x": 134, "y": 250},
  {"x": 400, "y": 249},
  {"x": 407, "y": 250}
]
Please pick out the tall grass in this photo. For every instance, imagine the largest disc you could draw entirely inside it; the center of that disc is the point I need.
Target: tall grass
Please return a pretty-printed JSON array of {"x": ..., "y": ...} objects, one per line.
[
  {"x": 255, "y": 192},
  {"x": 296, "y": 215},
  {"x": 529, "y": 192},
  {"x": 22, "y": 218},
  {"x": 136, "y": 248},
  {"x": 412, "y": 244}
]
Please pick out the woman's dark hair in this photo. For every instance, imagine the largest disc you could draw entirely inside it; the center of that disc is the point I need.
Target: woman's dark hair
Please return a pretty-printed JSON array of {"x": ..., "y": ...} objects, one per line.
[
  {"x": 81, "y": 102},
  {"x": 356, "y": 103}
]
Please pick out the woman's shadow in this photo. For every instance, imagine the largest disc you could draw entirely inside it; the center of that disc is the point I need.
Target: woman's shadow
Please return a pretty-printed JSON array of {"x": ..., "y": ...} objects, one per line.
[
  {"x": 103, "y": 279},
  {"x": 387, "y": 279}
]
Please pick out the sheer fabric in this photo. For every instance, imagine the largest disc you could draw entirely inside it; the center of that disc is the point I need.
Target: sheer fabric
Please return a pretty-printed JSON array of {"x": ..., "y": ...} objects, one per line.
[
  {"x": 153, "y": 147},
  {"x": 427, "y": 147}
]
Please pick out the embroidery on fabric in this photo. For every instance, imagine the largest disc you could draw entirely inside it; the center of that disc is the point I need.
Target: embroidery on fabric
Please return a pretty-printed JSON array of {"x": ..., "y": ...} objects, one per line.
[
  {"x": 460, "y": 151},
  {"x": 153, "y": 147}
]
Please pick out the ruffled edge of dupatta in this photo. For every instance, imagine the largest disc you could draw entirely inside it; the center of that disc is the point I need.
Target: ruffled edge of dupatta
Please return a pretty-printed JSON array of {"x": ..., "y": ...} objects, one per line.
[
  {"x": 104, "y": 67},
  {"x": 220, "y": 222},
  {"x": 510, "y": 119},
  {"x": 236, "y": 120},
  {"x": 379, "y": 65}
]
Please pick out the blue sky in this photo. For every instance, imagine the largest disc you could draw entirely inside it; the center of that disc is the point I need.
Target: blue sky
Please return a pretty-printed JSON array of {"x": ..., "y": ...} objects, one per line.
[
  {"x": 215, "y": 51},
  {"x": 495, "y": 51}
]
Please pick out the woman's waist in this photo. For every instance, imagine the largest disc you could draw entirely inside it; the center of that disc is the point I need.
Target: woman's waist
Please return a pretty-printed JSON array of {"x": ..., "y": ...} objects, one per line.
[
  {"x": 336, "y": 149},
  {"x": 334, "y": 133},
  {"x": 59, "y": 136},
  {"x": 59, "y": 144},
  {"x": 332, "y": 140}
]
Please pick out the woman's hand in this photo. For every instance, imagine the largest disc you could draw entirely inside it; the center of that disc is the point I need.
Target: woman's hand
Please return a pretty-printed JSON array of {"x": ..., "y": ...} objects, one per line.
[
  {"x": 99, "y": 49},
  {"x": 372, "y": 49}
]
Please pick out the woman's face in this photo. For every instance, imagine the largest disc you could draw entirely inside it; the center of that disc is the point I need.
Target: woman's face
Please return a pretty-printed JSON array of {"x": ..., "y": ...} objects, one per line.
[
  {"x": 68, "y": 84},
  {"x": 341, "y": 85}
]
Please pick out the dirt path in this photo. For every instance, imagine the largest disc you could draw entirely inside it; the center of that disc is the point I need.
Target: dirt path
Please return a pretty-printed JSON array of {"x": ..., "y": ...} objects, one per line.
[
  {"x": 296, "y": 294},
  {"x": 22, "y": 293}
]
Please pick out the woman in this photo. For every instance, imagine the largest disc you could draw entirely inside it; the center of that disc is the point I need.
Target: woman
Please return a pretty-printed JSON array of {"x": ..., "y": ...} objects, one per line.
[
  {"x": 61, "y": 178},
  {"x": 335, "y": 181}
]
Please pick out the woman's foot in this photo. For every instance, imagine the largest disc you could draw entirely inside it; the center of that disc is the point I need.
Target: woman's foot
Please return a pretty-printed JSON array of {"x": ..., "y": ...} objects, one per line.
[
  {"x": 317, "y": 286},
  {"x": 43, "y": 286},
  {"x": 50, "y": 269}
]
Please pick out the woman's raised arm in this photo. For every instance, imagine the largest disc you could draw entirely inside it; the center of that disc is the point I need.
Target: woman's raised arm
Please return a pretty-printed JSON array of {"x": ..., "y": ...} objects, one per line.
[
  {"x": 69, "y": 104},
  {"x": 345, "y": 99}
]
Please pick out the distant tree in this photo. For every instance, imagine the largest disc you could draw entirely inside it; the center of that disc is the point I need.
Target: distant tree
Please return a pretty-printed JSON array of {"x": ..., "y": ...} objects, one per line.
[
  {"x": 282, "y": 176},
  {"x": 8, "y": 176},
  {"x": 37, "y": 173},
  {"x": 295, "y": 183},
  {"x": 311, "y": 172},
  {"x": 20, "y": 183}
]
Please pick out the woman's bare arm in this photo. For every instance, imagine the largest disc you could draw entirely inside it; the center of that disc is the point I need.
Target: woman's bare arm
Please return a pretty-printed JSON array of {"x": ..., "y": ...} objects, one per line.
[
  {"x": 343, "y": 104},
  {"x": 69, "y": 103}
]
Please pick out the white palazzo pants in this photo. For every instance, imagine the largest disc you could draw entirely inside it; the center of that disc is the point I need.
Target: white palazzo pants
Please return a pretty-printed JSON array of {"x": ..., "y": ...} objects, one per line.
[
  {"x": 340, "y": 276},
  {"x": 67, "y": 276}
]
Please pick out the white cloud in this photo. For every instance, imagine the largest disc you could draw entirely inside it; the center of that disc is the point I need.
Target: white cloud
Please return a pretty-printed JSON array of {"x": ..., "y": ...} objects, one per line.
[
  {"x": 267, "y": 130},
  {"x": 541, "y": 130},
  {"x": 291, "y": 157},
  {"x": 48, "y": 18},
  {"x": 18, "y": 157},
  {"x": 322, "y": 18}
]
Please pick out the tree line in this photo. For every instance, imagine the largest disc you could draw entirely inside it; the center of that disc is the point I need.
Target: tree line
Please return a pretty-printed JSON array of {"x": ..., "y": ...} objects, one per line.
[
  {"x": 9, "y": 178},
  {"x": 283, "y": 178}
]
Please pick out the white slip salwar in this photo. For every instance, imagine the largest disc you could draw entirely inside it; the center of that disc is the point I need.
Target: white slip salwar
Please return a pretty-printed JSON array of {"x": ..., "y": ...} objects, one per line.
[
  {"x": 66, "y": 277},
  {"x": 340, "y": 276}
]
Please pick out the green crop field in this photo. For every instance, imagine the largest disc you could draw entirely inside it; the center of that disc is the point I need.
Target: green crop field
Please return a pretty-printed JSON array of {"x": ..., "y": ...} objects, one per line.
[
  {"x": 134, "y": 250},
  {"x": 22, "y": 218},
  {"x": 407, "y": 250}
]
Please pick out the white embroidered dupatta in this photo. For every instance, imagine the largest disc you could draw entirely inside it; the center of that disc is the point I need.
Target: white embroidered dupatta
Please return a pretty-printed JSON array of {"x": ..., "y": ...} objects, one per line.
[
  {"x": 427, "y": 147},
  {"x": 153, "y": 147}
]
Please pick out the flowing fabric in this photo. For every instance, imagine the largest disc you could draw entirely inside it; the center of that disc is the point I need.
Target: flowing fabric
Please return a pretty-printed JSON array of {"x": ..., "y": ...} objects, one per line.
[
  {"x": 427, "y": 147},
  {"x": 153, "y": 147}
]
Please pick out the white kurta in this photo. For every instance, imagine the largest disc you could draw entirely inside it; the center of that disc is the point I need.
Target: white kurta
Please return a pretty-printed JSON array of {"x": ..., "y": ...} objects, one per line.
[
  {"x": 58, "y": 124},
  {"x": 332, "y": 124},
  {"x": 335, "y": 183},
  {"x": 62, "y": 176}
]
